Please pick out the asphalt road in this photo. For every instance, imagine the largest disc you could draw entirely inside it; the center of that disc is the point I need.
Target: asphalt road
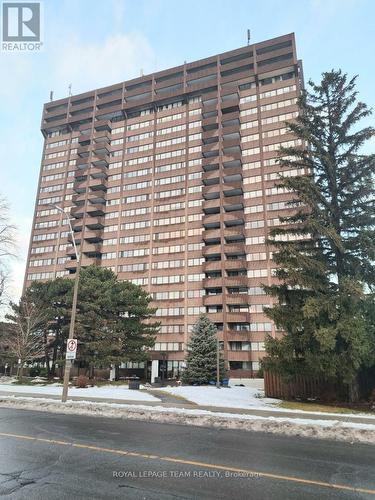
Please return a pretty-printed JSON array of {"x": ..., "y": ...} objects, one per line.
[{"x": 50, "y": 456}]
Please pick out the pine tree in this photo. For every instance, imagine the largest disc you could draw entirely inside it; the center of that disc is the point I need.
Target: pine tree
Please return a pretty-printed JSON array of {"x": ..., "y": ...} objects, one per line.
[
  {"x": 325, "y": 250},
  {"x": 202, "y": 356}
]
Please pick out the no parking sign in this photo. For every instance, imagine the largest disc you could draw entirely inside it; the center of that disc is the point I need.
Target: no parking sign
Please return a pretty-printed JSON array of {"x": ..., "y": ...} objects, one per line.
[{"x": 71, "y": 349}]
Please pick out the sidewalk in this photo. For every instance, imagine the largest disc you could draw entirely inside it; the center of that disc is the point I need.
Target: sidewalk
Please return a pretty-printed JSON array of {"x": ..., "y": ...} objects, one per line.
[{"x": 170, "y": 401}]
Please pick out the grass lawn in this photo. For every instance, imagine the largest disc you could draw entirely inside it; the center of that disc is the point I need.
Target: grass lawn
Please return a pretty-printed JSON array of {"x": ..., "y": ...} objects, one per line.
[{"x": 296, "y": 405}]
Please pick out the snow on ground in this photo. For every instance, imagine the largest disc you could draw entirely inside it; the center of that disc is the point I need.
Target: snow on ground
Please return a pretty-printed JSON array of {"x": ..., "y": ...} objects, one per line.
[
  {"x": 106, "y": 391},
  {"x": 233, "y": 397},
  {"x": 320, "y": 429}
]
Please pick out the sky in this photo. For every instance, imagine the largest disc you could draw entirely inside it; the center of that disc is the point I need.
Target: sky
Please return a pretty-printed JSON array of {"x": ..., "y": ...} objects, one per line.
[{"x": 91, "y": 43}]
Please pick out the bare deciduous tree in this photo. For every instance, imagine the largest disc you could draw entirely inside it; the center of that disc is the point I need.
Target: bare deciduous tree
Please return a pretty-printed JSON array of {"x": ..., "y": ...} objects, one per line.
[
  {"x": 25, "y": 338},
  {"x": 7, "y": 243}
]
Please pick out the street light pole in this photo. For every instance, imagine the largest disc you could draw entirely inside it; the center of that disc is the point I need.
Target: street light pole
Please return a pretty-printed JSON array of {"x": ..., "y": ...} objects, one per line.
[
  {"x": 68, "y": 363},
  {"x": 217, "y": 361}
]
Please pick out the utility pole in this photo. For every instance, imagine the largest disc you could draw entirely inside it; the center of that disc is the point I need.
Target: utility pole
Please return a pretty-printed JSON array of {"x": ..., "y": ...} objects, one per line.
[{"x": 68, "y": 362}]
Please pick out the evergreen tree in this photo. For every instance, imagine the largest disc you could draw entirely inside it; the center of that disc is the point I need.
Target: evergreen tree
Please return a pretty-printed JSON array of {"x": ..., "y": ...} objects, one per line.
[
  {"x": 325, "y": 249},
  {"x": 202, "y": 356},
  {"x": 113, "y": 321}
]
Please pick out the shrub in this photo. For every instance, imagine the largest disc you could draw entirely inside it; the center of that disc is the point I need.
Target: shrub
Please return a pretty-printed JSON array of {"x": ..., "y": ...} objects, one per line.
[
  {"x": 37, "y": 371},
  {"x": 82, "y": 382}
]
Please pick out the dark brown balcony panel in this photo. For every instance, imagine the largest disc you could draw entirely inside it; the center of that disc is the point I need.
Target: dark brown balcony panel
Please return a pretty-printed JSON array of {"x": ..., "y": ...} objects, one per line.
[
  {"x": 91, "y": 248},
  {"x": 95, "y": 223},
  {"x": 233, "y": 203},
  {"x": 78, "y": 211},
  {"x": 95, "y": 210},
  {"x": 82, "y": 162},
  {"x": 212, "y": 282},
  {"x": 234, "y": 216},
  {"x": 214, "y": 265},
  {"x": 233, "y": 173},
  {"x": 215, "y": 317},
  {"x": 96, "y": 196},
  {"x": 234, "y": 281},
  {"x": 209, "y": 121},
  {"x": 71, "y": 265},
  {"x": 239, "y": 356},
  {"x": 79, "y": 198},
  {"x": 238, "y": 317},
  {"x": 97, "y": 184},
  {"x": 211, "y": 210},
  {"x": 235, "y": 265},
  {"x": 239, "y": 299},
  {"x": 100, "y": 149},
  {"x": 210, "y": 219},
  {"x": 101, "y": 137},
  {"x": 233, "y": 190},
  {"x": 100, "y": 161},
  {"x": 212, "y": 300},
  {"x": 234, "y": 249},
  {"x": 99, "y": 172},
  {"x": 90, "y": 261},
  {"x": 93, "y": 236},
  {"x": 211, "y": 250},
  {"x": 84, "y": 139},
  {"x": 210, "y": 166},
  {"x": 210, "y": 234},
  {"x": 102, "y": 125},
  {"x": 213, "y": 180}
]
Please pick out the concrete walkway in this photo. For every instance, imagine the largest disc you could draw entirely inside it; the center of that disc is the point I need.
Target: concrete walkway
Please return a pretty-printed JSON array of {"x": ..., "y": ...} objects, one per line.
[{"x": 170, "y": 401}]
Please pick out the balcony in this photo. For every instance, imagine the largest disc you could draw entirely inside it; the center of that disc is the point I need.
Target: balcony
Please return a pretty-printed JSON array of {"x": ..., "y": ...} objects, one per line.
[
  {"x": 90, "y": 261},
  {"x": 238, "y": 317},
  {"x": 214, "y": 265},
  {"x": 97, "y": 184},
  {"x": 92, "y": 249},
  {"x": 216, "y": 317},
  {"x": 211, "y": 250},
  {"x": 238, "y": 356},
  {"x": 239, "y": 299},
  {"x": 211, "y": 219},
  {"x": 213, "y": 300},
  {"x": 235, "y": 281},
  {"x": 71, "y": 265},
  {"x": 95, "y": 210},
  {"x": 93, "y": 236},
  {"x": 230, "y": 265},
  {"x": 95, "y": 223},
  {"x": 212, "y": 282},
  {"x": 211, "y": 234},
  {"x": 235, "y": 217}
]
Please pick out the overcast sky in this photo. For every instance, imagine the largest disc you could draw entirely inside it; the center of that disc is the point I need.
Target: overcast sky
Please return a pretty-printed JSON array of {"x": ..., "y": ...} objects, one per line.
[{"x": 95, "y": 43}]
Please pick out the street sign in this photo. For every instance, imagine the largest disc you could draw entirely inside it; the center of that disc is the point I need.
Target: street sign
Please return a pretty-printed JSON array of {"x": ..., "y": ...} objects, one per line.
[{"x": 71, "y": 349}]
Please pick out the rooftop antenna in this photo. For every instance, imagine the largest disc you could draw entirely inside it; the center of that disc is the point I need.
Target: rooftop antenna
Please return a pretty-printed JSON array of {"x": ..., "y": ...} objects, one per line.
[
  {"x": 248, "y": 37},
  {"x": 141, "y": 72},
  {"x": 70, "y": 89},
  {"x": 51, "y": 95}
]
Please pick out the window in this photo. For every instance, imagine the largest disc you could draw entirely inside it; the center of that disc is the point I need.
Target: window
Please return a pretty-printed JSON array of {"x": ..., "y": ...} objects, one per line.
[
  {"x": 169, "y": 221},
  {"x": 166, "y": 280},
  {"x": 170, "y": 311},
  {"x": 279, "y": 104},
  {"x": 169, "y": 180},
  {"x": 128, "y": 268}
]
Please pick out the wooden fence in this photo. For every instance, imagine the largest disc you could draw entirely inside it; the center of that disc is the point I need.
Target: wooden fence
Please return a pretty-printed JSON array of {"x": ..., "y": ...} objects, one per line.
[{"x": 299, "y": 387}]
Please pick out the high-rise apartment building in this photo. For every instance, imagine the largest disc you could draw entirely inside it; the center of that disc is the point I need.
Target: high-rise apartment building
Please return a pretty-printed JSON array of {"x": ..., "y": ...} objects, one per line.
[{"x": 170, "y": 181}]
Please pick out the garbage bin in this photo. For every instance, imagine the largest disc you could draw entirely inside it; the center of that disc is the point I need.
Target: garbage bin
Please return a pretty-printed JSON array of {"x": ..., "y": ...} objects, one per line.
[{"x": 134, "y": 384}]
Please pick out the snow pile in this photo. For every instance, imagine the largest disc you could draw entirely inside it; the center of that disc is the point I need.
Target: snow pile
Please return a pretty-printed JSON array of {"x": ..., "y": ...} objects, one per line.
[
  {"x": 320, "y": 429},
  {"x": 230, "y": 397},
  {"x": 105, "y": 391},
  {"x": 7, "y": 380}
]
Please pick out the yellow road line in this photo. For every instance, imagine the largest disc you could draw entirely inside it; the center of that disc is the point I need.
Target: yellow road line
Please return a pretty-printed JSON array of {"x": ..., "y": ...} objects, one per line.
[{"x": 192, "y": 462}]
